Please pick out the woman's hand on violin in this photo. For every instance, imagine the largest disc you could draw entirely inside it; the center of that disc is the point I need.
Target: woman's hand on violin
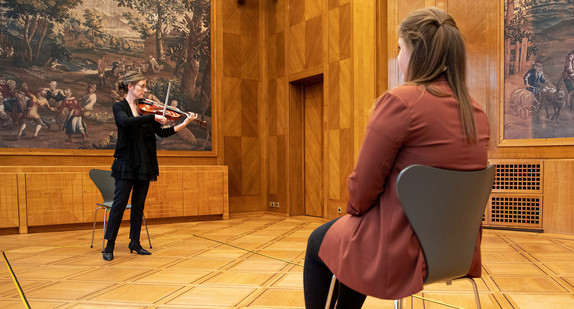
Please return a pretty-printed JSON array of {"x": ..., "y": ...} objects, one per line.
[
  {"x": 161, "y": 119},
  {"x": 190, "y": 117}
]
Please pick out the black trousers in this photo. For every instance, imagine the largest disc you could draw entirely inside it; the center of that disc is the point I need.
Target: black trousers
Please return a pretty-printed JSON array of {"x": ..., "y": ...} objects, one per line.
[
  {"x": 121, "y": 196},
  {"x": 317, "y": 277}
]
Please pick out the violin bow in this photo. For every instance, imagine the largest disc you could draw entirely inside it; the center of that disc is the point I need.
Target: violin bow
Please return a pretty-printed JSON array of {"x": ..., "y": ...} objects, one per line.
[{"x": 166, "y": 98}]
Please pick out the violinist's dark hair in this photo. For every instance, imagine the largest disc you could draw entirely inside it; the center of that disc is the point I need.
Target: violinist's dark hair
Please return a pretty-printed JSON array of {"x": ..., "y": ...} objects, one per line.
[
  {"x": 131, "y": 77},
  {"x": 437, "y": 47}
]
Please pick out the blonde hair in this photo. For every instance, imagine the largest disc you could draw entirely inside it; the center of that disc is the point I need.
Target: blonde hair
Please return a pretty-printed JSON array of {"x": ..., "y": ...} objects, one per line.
[
  {"x": 437, "y": 47},
  {"x": 131, "y": 77}
]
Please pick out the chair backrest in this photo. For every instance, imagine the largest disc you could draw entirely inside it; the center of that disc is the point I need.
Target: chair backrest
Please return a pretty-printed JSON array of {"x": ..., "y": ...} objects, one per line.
[
  {"x": 445, "y": 209},
  {"x": 105, "y": 182}
]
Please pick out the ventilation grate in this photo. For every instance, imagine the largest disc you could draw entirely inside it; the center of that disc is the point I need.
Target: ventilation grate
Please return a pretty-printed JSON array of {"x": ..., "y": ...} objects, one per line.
[
  {"x": 523, "y": 211},
  {"x": 518, "y": 177}
]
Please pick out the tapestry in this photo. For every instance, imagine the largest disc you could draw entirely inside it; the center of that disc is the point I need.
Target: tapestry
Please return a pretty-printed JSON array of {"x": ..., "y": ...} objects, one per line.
[
  {"x": 64, "y": 58},
  {"x": 538, "y": 69}
]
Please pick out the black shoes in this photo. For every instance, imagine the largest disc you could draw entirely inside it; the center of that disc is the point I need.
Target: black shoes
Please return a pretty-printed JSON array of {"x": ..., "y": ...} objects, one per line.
[
  {"x": 108, "y": 253},
  {"x": 135, "y": 246},
  {"x": 108, "y": 256}
]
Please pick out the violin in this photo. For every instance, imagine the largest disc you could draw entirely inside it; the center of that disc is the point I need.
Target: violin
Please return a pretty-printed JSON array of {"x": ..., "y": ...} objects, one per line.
[{"x": 147, "y": 106}]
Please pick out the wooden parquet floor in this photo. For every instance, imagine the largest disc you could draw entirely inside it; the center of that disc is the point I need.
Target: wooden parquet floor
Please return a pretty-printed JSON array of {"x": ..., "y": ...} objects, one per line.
[{"x": 255, "y": 261}]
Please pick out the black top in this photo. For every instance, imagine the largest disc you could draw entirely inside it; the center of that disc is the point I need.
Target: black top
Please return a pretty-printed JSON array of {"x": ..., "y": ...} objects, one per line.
[{"x": 136, "y": 153}]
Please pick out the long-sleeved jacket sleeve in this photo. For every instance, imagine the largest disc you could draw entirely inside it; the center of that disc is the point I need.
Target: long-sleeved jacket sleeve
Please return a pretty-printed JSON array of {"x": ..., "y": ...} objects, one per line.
[
  {"x": 163, "y": 132},
  {"x": 385, "y": 134}
]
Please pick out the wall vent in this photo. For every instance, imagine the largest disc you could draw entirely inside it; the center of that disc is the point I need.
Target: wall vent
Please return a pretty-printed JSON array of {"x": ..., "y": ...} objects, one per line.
[
  {"x": 516, "y": 211},
  {"x": 517, "y": 195},
  {"x": 518, "y": 177}
]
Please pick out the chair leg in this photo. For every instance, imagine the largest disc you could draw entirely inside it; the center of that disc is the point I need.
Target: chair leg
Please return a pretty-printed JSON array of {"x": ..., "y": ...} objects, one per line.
[
  {"x": 331, "y": 290},
  {"x": 399, "y": 303},
  {"x": 475, "y": 289},
  {"x": 94, "y": 227},
  {"x": 148, "y": 239},
  {"x": 104, "y": 232}
]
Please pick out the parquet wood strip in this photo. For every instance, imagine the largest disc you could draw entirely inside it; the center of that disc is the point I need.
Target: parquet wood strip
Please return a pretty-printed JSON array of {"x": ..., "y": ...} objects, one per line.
[
  {"x": 68, "y": 290},
  {"x": 139, "y": 293},
  {"x": 213, "y": 296},
  {"x": 525, "y": 301},
  {"x": 513, "y": 268}
]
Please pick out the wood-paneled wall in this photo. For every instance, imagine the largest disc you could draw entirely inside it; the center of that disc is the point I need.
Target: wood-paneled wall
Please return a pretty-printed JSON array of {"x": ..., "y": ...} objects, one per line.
[
  {"x": 51, "y": 196},
  {"x": 240, "y": 87},
  {"x": 266, "y": 52},
  {"x": 358, "y": 42},
  {"x": 310, "y": 41},
  {"x": 350, "y": 45}
]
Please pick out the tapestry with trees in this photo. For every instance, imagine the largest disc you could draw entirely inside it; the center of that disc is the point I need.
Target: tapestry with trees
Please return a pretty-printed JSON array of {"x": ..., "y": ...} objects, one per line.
[{"x": 62, "y": 59}]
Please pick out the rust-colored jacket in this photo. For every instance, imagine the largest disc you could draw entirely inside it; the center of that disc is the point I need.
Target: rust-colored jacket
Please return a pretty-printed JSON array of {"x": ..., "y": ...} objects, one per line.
[{"x": 373, "y": 249}]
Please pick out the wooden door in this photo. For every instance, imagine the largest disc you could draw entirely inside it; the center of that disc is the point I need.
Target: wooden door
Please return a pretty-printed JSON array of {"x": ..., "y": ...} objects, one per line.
[{"x": 313, "y": 149}]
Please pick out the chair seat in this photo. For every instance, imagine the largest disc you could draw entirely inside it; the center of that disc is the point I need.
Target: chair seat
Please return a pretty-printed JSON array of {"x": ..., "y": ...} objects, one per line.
[{"x": 109, "y": 205}]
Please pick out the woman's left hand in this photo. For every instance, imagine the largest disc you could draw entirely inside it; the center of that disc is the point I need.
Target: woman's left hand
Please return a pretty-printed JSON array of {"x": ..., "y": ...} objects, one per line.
[{"x": 190, "y": 117}]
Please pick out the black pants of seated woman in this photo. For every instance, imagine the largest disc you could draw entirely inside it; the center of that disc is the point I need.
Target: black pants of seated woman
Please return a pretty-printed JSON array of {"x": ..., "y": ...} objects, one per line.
[
  {"x": 317, "y": 277},
  {"x": 121, "y": 197}
]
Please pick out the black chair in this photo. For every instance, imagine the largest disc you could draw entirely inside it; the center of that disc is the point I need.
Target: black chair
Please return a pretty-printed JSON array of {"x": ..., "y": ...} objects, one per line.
[
  {"x": 105, "y": 182},
  {"x": 444, "y": 208}
]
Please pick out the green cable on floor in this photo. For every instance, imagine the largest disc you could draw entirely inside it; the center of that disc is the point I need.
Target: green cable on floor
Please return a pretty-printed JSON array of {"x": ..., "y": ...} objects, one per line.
[
  {"x": 289, "y": 262},
  {"x": 16, "y": 281}
]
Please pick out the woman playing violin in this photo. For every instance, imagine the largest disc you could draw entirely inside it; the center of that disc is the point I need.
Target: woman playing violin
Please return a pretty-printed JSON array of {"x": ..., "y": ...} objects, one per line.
[{"x": 135, "y": 159}]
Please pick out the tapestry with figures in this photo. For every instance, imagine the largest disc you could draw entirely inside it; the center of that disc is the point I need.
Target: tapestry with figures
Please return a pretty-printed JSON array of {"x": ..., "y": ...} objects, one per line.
[
  {"x": 60, "y": 61},
  {"x": 538, "y": 70}
]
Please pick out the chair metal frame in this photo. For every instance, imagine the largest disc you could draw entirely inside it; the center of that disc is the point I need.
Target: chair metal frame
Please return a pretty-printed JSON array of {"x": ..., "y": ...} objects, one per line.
[
  {"x": 105, "y": 184},
  {"x": 444, "y": 208}
]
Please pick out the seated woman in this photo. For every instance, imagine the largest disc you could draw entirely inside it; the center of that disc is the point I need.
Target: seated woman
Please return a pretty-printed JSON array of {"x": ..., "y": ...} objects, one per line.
[{"x": 430, "y": 120}]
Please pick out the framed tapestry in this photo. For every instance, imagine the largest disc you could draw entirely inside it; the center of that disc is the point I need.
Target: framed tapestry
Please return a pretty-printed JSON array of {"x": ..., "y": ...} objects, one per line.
[
  {"x": 64, "y": 57},
  {"x": 538, "y": 97}
]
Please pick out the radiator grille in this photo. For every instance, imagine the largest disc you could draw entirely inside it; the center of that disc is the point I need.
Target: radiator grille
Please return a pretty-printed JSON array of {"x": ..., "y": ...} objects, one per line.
[
  {"x": 519, "y": 211},
  {"x": 518, "y": 177},
  {"x": 517, "y": 195}
]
